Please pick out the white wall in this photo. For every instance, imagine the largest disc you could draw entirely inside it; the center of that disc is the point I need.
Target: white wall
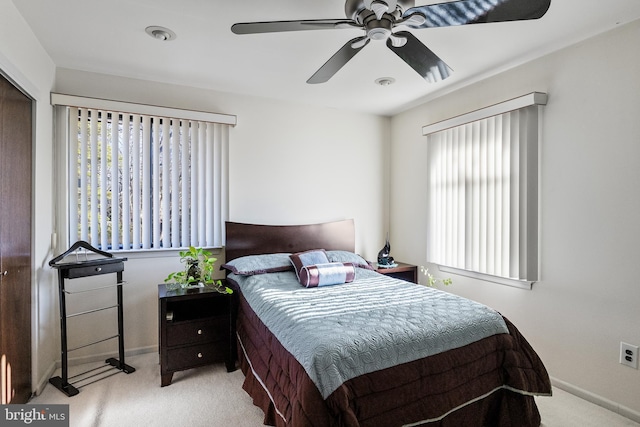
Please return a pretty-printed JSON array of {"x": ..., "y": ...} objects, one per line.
[
  {"x": 24, "y": 61},
  {"x": 289, "y": 164},
  {"x": 587, "y": 300}
]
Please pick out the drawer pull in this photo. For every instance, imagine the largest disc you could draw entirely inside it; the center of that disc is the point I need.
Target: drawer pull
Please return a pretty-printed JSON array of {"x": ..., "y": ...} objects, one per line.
[
  {"x": 199, "y": 355},
  {"x": 199, "y": 331},
  {"x": 98, "y": 269}
]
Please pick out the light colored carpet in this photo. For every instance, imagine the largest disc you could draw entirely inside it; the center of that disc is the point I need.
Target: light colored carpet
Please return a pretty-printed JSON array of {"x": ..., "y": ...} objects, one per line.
[
  {"x": 207, "y": 396},
  {"x": 211, "y": 397},
  {"x": 566, "y": 410}
]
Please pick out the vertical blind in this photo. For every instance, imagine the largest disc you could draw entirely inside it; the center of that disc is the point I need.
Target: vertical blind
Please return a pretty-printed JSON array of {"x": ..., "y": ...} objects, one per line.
[
  {"x": 483, "y": 195},
  {"x": 140, "y": 181}
]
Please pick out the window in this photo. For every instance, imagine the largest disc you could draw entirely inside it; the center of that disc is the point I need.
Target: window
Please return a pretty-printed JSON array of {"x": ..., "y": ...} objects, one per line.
[
  {"x": 143, "y": 177},
  {"x": 483, "y": 192}
]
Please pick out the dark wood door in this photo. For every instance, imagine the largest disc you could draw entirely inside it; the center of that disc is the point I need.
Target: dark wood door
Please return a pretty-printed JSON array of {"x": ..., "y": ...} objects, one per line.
[{"x": 15, "y": 243}]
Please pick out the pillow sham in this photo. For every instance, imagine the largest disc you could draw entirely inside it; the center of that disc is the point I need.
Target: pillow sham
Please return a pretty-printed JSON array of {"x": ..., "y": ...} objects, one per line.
[
  {"x": 346, "y": 256},
  {"x": 333, "y": 273},
  {"x": 310, "y": 257},
  {"x": 259, "y": 264}
]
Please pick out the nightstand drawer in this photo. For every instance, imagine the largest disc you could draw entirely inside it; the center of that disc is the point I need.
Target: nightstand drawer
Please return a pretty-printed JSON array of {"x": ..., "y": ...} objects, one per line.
[
  {"x": 195, "y": 355},
  {"x": 196, "y": 332},
  {"x": 403, "y": 271}
]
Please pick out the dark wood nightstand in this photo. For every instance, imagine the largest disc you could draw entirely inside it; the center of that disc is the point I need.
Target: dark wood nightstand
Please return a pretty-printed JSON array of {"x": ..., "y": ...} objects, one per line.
[
  {"x": 196, "y": 329},
  {"x": 408, "y": 272}
]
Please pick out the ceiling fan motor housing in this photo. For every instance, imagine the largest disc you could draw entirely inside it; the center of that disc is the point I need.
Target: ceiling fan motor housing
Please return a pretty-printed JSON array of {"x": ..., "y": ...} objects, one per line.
[
  {"x": 358, "y": 10},
  {"x": 378, "y": 29}
]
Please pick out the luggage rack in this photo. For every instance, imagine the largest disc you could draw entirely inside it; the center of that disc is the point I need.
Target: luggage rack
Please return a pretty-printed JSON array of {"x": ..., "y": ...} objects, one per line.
[{"x": 85, "y": 268}]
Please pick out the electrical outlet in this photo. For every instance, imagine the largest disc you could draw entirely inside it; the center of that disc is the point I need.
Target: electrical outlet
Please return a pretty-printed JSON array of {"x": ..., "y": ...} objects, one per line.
[{"x": 629, "y": 355}]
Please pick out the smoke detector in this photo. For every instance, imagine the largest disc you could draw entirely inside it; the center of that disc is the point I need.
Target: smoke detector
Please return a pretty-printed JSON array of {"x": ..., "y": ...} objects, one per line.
[{"x": 160, "y": 33}]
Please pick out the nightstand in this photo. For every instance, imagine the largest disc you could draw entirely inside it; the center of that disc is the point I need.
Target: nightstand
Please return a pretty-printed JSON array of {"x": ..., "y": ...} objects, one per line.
[
  {"x": 408, "y": 272},
  {"x": 196, "y": 329}
]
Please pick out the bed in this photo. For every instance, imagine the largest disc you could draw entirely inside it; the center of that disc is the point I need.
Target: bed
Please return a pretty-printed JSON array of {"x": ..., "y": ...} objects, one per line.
[{"x": 374, "y": 351}]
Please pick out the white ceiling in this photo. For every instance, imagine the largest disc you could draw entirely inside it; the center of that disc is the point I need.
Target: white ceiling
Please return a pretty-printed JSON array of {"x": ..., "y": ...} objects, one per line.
[{"x": 109, "y": 37}]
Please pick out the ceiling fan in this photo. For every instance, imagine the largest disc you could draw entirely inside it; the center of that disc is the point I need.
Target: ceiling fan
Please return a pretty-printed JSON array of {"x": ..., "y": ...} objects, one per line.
[{"x": 379, "y": 19}]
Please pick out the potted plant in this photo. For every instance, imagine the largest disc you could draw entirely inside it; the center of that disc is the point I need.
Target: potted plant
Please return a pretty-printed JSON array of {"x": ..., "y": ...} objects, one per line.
[
  {"x": 433, "y": 281},
  {"x": 198, "y": 271}
]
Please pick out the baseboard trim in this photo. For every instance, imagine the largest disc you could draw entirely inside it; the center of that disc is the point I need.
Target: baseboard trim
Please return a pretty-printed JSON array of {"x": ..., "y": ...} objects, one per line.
[
  {"x": 597, "y": 400},
  {"x": 44, "y": 380}
]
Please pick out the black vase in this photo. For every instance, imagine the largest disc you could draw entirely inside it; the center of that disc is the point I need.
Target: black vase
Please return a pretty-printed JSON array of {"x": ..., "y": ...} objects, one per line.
[{"x": 383, "y": 256}]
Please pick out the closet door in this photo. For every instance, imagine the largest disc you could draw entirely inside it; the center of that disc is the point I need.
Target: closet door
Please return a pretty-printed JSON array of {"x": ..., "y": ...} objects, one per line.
[{"x": 15, "y": 243}]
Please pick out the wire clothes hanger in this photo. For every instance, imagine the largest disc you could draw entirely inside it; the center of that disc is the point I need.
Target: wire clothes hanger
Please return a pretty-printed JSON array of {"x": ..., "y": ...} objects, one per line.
[{"x": 80, "y": 244}]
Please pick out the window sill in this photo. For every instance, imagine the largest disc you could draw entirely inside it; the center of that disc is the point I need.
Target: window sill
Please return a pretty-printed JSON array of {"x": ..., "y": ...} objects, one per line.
[{"x": 521, "y": 284}]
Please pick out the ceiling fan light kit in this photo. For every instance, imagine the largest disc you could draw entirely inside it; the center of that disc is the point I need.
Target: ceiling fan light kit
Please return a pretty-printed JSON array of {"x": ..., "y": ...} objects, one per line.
[{"x": 380, "y": 18}]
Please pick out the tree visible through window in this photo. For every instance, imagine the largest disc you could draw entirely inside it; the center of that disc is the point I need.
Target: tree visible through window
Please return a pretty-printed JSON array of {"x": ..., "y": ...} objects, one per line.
[{"x": 145, "y": 182}]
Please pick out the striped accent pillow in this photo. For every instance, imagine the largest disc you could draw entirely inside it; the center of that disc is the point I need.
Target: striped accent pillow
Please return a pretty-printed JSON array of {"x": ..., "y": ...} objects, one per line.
[
  {"x": 311, "y": 257},
  {"x": 333, "y": 273}
]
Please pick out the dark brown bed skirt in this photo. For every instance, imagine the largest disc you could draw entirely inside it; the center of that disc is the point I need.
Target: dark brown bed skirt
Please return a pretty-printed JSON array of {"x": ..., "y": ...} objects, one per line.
[{"x": 487, "y": 383}]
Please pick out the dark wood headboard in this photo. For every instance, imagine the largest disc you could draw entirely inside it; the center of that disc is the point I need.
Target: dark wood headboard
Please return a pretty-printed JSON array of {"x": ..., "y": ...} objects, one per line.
[{"x": 254, "y": 239}]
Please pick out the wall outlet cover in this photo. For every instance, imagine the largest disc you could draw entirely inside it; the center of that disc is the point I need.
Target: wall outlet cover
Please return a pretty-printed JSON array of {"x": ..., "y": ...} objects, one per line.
[{"x": 629, "y": 355}]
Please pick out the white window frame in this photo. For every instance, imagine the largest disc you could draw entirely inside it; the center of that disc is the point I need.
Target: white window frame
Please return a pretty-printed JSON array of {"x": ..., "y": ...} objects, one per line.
[
  {"x": 483, "y": 192},
  {"x": 201, "y": 132}
]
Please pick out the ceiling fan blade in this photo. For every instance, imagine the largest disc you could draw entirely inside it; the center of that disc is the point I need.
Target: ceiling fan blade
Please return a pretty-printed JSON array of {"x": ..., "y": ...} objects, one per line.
[
  {"x": 420, "y": 58},
  {"x": 338, "y": 60},
  {"x": 465, "y": 12},
  {"x": 281, "y": 26}
]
